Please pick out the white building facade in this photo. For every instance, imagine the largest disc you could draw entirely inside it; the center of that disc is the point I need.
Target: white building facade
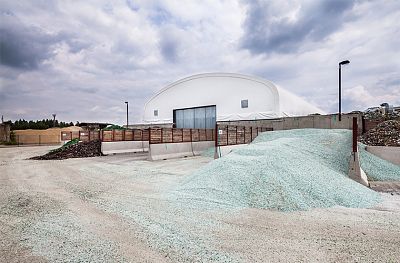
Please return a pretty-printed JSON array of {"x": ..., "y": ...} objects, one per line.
[{"x": 201, "y": 100}]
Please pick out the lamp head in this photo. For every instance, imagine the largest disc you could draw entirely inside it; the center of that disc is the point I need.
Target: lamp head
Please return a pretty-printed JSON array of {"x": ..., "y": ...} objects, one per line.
[{"x": 344, "y": 62}]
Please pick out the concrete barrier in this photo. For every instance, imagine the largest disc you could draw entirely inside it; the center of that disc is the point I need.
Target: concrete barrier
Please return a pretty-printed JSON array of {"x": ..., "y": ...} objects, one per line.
[
  {"x": 355, "y": 171},
  {"x": 161, "y": 151},
  {"x": 124, "y": 147},
  {"x": 388, "y": 153},
  {"x": 224, "y": 150}
]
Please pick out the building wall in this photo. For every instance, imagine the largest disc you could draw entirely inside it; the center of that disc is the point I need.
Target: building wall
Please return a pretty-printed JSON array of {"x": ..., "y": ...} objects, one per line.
[{"x": 226, "y": 91}]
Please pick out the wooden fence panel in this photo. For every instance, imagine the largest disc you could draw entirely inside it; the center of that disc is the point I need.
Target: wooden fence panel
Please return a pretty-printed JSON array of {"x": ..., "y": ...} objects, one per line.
[
  {"x": 167, "y": 135},
  {"x": 145, "y": 135},
  {"x": 84, "y": 136},
  {"x": 232, "y": 139},
  {"x": 177, "y": 135},
  {"x": 186, "y": 135},
  {"x": 202, "y": 135},
  {"x": 240, "y": 135},
  {"x": 107, "y": 136},
  {"x": 128, "y": 135},
  {"x": 195, "y": 135},
  {"x": 156, "y": 136}
]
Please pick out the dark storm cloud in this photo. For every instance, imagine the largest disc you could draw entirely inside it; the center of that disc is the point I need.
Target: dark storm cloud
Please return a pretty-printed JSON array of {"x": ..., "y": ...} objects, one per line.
[
  {"x": 22, "y": 46},
  {"x": 267, "y": 31},
  {"x": 26, "y": 47}
]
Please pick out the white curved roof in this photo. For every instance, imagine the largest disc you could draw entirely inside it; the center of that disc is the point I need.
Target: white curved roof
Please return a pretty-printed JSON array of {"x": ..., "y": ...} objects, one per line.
[{"x": 226, "y": 90}]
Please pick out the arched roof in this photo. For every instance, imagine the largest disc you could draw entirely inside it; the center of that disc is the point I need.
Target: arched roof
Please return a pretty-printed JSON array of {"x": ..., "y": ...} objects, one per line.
[{"x": 267, "y": 83}]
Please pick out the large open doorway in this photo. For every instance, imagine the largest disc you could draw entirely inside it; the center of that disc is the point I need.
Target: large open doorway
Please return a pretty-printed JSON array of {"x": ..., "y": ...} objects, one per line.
[{"x": 195, "y": 118}]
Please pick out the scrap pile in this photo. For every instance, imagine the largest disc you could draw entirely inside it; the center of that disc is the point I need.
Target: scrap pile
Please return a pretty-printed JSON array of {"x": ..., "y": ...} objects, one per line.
[
  {"x": 73, "y": 149},
  {"x": 387, "y": 133},
  {"x": 378, "y": 116},
  {"x": 281, "y": 170}
]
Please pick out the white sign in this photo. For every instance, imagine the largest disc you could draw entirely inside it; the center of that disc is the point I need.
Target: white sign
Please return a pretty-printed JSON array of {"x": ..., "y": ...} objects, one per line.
[{"x": 220, "y": 132}]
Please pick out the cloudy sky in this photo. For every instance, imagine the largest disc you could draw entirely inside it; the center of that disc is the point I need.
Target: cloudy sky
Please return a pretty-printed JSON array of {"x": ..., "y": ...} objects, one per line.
[{"x": 83, "y": 59}]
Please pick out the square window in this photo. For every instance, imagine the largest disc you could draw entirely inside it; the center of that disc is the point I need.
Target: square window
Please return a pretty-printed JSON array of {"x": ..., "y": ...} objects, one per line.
[
  {"x": 156, "y": 113},
  {"x": 245, "y": 103}
]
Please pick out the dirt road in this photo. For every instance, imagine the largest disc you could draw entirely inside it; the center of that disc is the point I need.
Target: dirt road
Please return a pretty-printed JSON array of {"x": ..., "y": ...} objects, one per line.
[{"x": 119, "y": 209}]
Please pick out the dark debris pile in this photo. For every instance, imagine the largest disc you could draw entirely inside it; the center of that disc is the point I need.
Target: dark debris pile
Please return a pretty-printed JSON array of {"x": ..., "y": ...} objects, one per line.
[
  {"x": 387, "y": 133},
  {"x": 77, "y": 150}
]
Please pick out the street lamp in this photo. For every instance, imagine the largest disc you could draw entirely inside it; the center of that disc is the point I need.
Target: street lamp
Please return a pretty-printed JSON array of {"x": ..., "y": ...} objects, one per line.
[
  {"x": 127, "y": 120},
  {"x": 344, "y": 62},
  {"x": 54, "y": 120}
]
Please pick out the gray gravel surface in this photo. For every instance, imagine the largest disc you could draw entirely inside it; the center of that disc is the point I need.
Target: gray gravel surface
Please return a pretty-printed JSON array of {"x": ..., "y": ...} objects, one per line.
[{"x": 118, "y": 209}]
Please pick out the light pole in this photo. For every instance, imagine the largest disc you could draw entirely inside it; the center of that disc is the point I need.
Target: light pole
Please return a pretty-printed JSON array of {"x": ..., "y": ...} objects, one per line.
[
  {"x": 344, "y": 62},
  {"x": 127, "y": 114},
  {"x": 54, "y": 120}
]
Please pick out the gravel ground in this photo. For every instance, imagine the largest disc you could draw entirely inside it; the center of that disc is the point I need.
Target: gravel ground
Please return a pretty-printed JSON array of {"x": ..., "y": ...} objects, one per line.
[{"x": 117, "y": 209}]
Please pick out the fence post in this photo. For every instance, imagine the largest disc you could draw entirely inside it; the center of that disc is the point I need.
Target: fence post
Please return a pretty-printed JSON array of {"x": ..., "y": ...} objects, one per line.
[
  {"x": 149, "y": 135},
  {"x": 216, "y": 141},
  {"x": 182, "y": 134},
  {"x": 244, "y": 135},
  {"x": 227, "y": 135},
  {"x": 89, "y": 136},
  {"x": 162, "y": 135},
  {"x": 172, "y": 132},
  {"x": 236, "y": 134},
  {"x": 71, "y": 136},
  {"x": 113, "y": 135},
  {"x": 355, "y": 133},
  {"x": 79, "y": 135},
  {"x": 191, "y": 139},
  {"x": 251, "y": 133}
]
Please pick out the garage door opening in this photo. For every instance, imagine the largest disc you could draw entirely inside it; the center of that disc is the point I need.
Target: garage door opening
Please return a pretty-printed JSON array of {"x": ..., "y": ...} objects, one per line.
[{"x": 195, "y": 118}]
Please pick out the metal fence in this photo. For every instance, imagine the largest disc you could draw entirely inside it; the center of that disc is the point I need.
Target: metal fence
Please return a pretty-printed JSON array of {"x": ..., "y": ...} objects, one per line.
[
  {"x": 223, "y": 135},
  {"x": 107, "y": 135},
  {"x": 233, "y": 135},
  {"x": 176, "y": 135}
]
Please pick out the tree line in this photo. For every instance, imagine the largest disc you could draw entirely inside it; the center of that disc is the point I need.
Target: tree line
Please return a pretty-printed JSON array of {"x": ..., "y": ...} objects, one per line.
[{"x": 39, "y": 124}]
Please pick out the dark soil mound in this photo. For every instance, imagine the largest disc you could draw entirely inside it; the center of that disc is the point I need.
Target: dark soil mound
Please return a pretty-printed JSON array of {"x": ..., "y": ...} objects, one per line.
[
  {"x": 387, "y": 133},
  {"x": 77, "y": 150}
]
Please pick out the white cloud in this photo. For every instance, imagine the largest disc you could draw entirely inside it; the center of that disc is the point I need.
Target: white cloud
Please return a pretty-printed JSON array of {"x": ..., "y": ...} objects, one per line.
[{"x": 360, "y": 98}]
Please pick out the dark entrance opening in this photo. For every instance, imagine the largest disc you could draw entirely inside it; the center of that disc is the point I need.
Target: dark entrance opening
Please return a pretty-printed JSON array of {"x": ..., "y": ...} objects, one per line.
[{"x": 195, "y": 118}]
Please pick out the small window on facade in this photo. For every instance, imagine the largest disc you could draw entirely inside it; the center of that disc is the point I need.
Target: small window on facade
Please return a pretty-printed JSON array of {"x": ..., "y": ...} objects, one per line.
[
  {"x": 156, "y": 113},
  {"x": 245, "y": 103}
]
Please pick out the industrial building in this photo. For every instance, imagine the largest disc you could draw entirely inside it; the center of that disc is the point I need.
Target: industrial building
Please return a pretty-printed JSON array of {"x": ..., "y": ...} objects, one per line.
[{"x": 199, "y": 101}]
